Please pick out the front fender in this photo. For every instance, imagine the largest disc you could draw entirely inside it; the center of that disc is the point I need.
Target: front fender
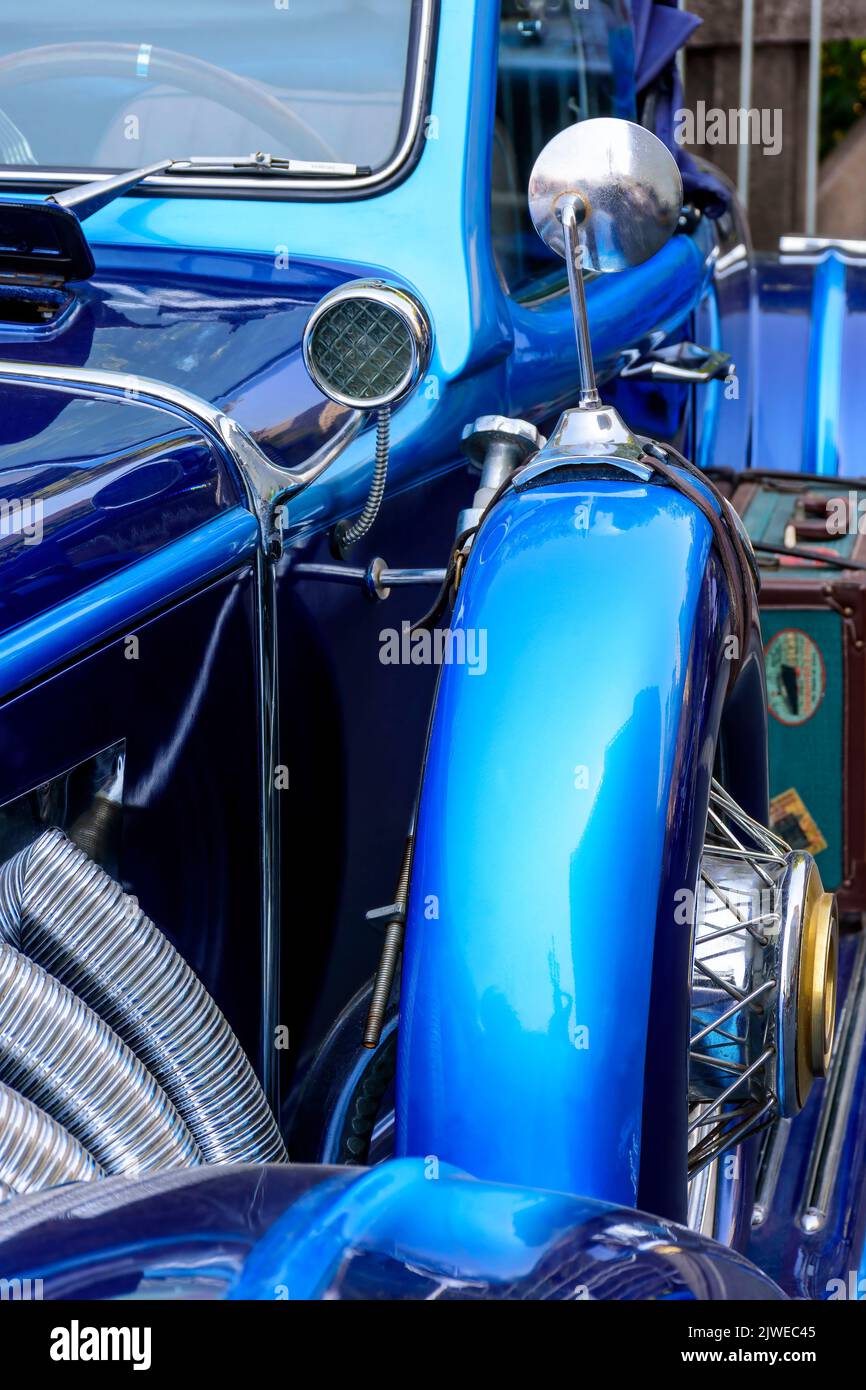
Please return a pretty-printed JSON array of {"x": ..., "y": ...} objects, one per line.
[
  {"x": 299, "y": 1232},
  {"x": 545, "y": 1002}
]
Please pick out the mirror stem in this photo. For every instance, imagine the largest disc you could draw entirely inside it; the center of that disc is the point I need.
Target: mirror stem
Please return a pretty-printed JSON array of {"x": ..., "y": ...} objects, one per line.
[{"x": 574, "y": 262}]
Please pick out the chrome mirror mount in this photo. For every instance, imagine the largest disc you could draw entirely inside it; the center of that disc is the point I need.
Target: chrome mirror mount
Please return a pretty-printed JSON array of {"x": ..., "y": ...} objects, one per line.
[{"x": 605, "y": 195}]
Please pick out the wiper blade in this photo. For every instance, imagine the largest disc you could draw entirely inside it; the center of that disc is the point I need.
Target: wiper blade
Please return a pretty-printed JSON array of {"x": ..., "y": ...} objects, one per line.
[
  {"x": 45, "y": 239},
  {"x": 262, "y": 163},
  {"x": 86, "y": 199}
]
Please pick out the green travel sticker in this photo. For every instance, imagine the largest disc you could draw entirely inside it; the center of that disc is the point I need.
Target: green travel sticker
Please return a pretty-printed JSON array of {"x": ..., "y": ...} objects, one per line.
[{"x": 795, "y": 676}]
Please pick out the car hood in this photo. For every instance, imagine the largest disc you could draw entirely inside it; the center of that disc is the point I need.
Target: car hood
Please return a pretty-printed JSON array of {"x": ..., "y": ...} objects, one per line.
[
  {"x": 227, "y": 328},
  {"x": 89, "y": 486}
]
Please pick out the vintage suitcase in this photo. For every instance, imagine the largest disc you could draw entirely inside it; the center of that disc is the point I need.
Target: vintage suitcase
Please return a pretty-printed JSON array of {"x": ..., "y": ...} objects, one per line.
[{"x": 813, "y": 617}]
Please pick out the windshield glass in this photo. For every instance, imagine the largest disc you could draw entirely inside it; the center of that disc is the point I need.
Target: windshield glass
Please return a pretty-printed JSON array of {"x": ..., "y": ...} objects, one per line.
[
  {"x": 558, "y": 63},
  {"x": 117, "y": 84}
]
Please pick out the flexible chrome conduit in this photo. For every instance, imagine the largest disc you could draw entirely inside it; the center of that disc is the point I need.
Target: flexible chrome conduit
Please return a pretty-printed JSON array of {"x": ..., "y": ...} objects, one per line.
[
  {"x": 64, "y": 1058},
  {"x": 35, "y": 1151},
  {"x": 63, "y": 911},
  {"x": 349, "y": 533}
]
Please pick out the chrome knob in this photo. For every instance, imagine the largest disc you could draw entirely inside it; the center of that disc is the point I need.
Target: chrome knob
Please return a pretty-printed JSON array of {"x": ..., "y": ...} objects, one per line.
[
  {"x": 496, "y": 446},
  {"x": 499, "y": 443}
]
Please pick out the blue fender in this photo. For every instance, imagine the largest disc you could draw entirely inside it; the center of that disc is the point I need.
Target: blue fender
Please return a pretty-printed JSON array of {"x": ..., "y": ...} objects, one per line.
[
  {"x": 419, "y": 1232},
  {"x": 545, "y": 999},
  {"x": 407, "y": 1229}
]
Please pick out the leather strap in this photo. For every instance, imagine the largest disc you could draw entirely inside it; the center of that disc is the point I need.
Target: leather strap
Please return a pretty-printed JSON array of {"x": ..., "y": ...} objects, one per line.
[{"x": 729, "y": 543}]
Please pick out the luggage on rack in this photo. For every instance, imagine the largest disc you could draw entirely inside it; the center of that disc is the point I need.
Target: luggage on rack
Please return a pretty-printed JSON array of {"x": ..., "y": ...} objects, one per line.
[{"x": 813, "y": 618}]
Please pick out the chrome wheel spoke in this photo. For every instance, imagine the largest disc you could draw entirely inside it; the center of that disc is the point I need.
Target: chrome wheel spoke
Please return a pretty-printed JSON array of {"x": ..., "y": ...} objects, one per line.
[
  {"x": 759, "y": 903},
  {"x": 732, "y": 1049}
]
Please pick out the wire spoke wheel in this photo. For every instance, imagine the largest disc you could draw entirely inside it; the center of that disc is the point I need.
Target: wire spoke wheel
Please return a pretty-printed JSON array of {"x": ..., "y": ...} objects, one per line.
[
  {"x": 764, "y": 947},
  {"x": 765, "y": 943}
]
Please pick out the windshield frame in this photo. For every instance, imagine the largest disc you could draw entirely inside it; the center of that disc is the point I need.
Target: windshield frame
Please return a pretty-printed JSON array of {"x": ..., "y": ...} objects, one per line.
[{"x": 417, "y": 91}]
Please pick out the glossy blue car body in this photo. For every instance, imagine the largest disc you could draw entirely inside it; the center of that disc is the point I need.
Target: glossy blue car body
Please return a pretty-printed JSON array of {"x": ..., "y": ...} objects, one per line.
[
  {"x": 534, "y": 761},
  {"x": 595, "y": 723}
]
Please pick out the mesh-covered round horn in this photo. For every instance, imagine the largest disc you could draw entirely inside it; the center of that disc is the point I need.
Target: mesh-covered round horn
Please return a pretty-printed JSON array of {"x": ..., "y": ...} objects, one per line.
[{"x": 367, "y": 344}]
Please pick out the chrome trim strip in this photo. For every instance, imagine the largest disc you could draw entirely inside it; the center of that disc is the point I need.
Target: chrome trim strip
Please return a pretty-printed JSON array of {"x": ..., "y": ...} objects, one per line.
[
  {"x": 270, "y": 861},
  {"x": 836, "y": 1103},
  {"x": 770, "y": 1170},
  {"x": 266, "y": 488},
  {"x": 713, "y": 1203},
  {"x": 812, "y": 246},
  {"x": 423, "y": 61}
]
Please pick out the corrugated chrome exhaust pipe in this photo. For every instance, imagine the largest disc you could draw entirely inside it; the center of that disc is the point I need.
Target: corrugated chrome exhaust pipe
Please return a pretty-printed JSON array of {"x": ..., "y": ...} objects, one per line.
[
  {"x": 64, "y": 1058},
  {"x": 66, "y": 913},
  {"x": 35, "y": 1151}
]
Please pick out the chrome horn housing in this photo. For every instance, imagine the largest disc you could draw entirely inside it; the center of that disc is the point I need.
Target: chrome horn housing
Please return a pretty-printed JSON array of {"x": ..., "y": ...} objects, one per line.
[
  {"x": 367, "y": 344},
  {"x": 763, "y": 982}
]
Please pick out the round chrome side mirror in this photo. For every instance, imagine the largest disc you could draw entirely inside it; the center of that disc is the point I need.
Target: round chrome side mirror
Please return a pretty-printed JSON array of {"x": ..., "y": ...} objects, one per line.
[
  {"x": 623, "y": 184},
  {"x": 604, "y": 194}
]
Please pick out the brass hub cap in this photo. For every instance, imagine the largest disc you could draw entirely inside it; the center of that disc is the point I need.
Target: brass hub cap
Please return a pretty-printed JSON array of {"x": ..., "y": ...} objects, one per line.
[{"x": 816, "y": 984}]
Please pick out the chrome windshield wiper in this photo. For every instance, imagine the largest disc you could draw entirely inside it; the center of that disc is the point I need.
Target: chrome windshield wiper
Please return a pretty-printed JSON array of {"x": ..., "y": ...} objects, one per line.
[
  {"x": 263, "y": 163},
  {"x": 45, "y": 239},
  {"x": 86, "y": 199}
]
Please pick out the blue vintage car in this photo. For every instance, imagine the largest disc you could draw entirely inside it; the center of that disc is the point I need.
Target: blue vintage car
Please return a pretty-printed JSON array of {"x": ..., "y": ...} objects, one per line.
[{"x": 390, "y": 904}]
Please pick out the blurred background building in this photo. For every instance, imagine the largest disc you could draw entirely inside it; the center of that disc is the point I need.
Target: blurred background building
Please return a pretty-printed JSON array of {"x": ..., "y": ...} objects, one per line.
[{"x": 777, "y": 184}]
